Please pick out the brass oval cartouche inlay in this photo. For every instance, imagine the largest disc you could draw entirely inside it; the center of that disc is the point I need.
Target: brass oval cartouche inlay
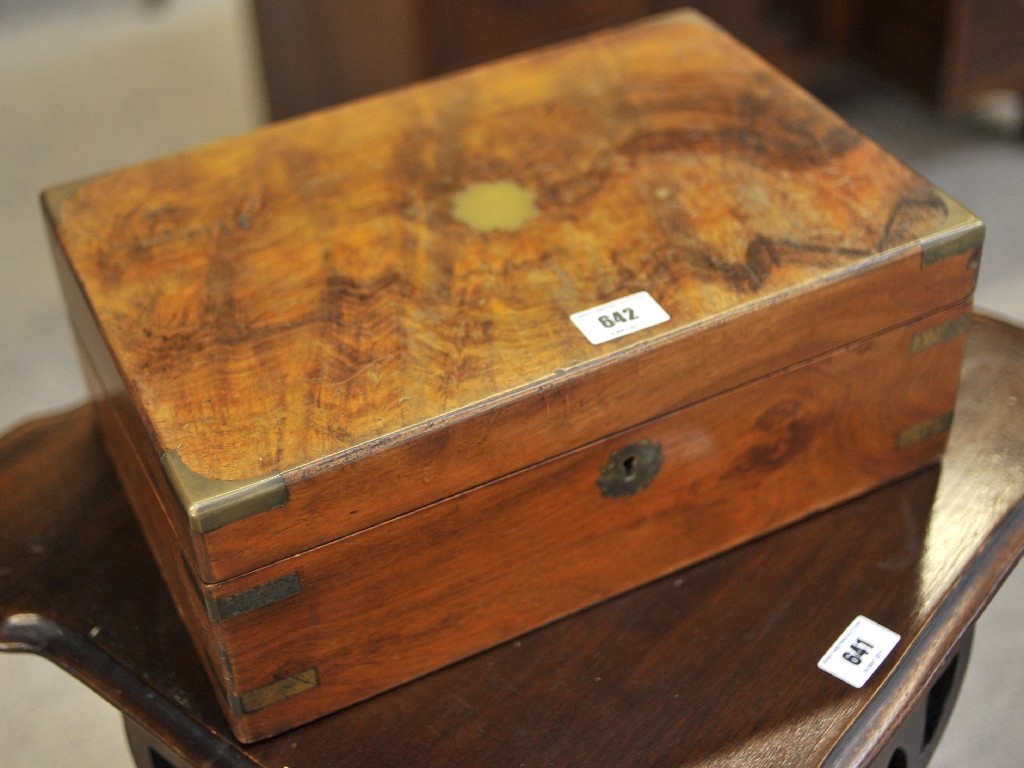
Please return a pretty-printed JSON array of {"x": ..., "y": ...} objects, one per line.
[{"x": 490, "y": 205}]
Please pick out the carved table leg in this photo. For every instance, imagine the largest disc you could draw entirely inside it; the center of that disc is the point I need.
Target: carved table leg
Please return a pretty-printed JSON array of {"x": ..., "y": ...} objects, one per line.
[{"x": 149, "y": 751}]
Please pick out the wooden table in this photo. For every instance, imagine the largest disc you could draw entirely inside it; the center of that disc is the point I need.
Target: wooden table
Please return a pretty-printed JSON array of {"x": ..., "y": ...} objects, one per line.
[{"x": 715, "y": 665}]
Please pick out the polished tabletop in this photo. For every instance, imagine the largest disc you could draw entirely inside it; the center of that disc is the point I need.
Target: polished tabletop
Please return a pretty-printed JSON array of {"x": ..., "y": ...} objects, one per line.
[{"x": 714, "y": 665}]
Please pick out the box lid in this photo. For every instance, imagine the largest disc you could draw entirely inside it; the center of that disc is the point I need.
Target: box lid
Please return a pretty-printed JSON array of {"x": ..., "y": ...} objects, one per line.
[{"x": 328, "y": 322}]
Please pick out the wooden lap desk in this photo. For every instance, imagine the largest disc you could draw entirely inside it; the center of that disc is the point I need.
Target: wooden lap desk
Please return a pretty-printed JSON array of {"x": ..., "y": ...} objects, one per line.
[{"x": 715, "y": 665}]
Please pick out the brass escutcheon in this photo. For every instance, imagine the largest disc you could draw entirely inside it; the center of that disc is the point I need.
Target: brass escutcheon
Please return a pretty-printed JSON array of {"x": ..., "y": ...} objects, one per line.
[{"x": 630, "y": 469}]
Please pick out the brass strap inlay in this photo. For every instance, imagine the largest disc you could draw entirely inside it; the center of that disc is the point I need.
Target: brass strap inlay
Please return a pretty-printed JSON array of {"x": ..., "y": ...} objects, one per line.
[
  {"x": 260, "y": 596},
  {"x": 924, "y": 429},
  {"x": 258, "y": 699},
  {"x": 211, "y": 503},
  {"x": 941, "y": 333}
]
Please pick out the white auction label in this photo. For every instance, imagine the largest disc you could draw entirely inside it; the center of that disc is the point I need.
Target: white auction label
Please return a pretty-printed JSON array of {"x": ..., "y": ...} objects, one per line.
[
  {"x": 620, "y": 317},
  {"x": 859, "y": 651}
]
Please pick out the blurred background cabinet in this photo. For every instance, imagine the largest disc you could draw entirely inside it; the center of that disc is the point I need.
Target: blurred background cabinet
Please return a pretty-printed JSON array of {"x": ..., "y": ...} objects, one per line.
[
  {"x": 321, "y": 52},
  {"x": 949, "y": 51}
]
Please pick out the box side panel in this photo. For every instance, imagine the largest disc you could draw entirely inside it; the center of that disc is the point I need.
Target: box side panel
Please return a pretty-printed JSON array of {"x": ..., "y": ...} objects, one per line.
[
  {"x": 410, "y": 595},
  {"x": 330, "y": 501}
]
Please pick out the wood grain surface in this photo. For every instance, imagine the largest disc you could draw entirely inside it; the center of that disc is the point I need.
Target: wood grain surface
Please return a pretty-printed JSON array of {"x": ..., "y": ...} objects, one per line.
[
  {"x": 302, "y": 300},
  {"x": 714, "y": 665},
  {"x": 297, "y": 293}
]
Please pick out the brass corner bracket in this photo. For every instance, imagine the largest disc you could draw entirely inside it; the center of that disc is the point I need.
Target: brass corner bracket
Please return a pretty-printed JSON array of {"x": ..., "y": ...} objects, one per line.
[
  {"x": 210, "y": 504},
  {"x": 962, "y": 232}
]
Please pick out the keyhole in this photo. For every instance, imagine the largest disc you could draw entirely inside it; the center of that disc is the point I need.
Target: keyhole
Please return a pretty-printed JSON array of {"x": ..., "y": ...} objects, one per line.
[
  {"x": 629, "y": 464},
  {"x": 630, "y": 469}
]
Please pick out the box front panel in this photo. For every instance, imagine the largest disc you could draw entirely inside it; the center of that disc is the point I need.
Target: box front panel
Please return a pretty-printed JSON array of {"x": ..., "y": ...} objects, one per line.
[
  {"x": 355, "y": 617},
  {"x": 328, "y": 502}
]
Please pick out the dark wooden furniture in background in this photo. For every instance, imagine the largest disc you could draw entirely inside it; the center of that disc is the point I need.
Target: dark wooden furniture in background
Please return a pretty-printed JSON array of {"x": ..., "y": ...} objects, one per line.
[
  {"x": 950, "y": 52},
  {"x": 715, "y": 665},
  {"x": 321, "y": 52}
]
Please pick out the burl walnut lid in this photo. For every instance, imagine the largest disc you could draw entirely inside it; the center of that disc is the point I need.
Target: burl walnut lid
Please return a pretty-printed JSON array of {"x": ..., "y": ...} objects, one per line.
[{"x": 370, "y": 308}]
